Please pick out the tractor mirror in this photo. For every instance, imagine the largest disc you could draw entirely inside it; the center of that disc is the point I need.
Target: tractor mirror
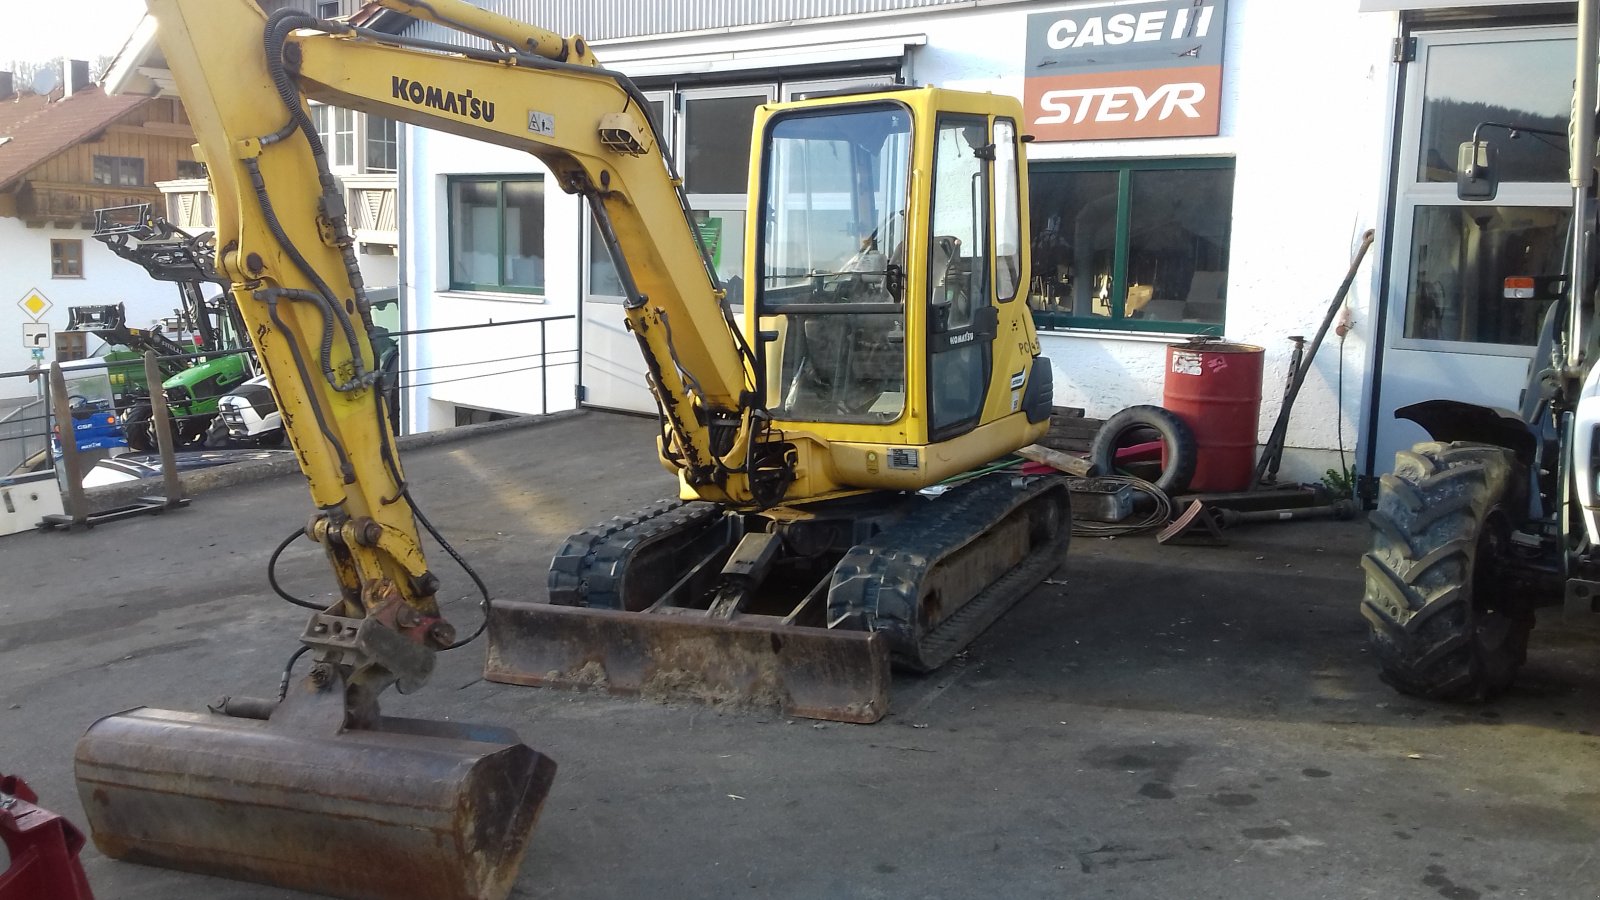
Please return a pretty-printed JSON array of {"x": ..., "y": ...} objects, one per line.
[{"x": 1477, "y": 176}]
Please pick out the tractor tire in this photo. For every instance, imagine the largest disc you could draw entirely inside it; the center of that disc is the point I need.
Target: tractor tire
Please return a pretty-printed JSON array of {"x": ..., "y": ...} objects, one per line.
[
  {"x": 139, "y": 429},
  {"x": 217, "y": 436},
  {"x": 1140, "y": 424},
  {"x": 1445, "y": 623}
]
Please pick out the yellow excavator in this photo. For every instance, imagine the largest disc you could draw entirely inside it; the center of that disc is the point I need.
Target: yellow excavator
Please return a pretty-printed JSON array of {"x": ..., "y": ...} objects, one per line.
[{"x": 829, "y": 521}]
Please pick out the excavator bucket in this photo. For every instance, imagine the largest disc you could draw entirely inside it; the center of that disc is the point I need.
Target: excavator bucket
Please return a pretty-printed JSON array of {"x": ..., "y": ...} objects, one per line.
[
  {"x": 752, "y": 661},
  {"x": 407, "y": 809}
]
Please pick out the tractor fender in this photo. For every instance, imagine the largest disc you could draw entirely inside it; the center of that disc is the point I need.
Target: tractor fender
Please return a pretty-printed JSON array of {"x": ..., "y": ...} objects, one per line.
[{"x": 1453, "y": 420}]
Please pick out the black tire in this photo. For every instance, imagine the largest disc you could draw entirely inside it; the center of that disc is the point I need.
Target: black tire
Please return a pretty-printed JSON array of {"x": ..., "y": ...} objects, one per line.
[
  {"x": 137, "y": 427},
  {"x": 1141, "y": 424},
  {"x": 1445, "y": 623},
  {"x": 217, "y": 436}
]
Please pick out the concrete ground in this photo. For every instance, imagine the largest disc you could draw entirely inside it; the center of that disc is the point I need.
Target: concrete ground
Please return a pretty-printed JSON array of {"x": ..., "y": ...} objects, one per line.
[{"x": 1152, "y": 722}]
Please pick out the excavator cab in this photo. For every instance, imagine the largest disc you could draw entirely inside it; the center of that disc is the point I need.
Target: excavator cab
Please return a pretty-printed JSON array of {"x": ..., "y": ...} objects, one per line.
[{"x": 869, "y": 285}]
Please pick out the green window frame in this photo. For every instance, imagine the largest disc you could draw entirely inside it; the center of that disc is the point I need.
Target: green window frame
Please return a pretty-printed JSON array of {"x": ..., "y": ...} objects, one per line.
[
  {"x": 1052, "y": 316},
  {"x": 515, "y": 229}
]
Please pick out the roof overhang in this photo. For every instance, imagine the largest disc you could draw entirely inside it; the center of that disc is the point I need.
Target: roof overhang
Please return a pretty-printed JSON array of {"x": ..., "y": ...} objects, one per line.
[
  {"x": 139, "y": 67},
  {"x": 641, "y": 62}
]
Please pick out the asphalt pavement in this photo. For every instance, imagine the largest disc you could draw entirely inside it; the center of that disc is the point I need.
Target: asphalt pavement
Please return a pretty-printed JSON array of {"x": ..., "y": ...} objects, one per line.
[{"x": 1151, "y": 722}]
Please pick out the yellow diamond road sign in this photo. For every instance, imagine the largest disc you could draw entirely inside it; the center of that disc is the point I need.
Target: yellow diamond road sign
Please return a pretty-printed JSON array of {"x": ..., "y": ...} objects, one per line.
[{"x": 34, "y": 304}]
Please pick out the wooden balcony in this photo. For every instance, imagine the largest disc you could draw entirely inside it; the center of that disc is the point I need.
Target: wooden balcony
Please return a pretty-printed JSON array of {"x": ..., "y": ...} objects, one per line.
[{"x": 41, "y": 203}]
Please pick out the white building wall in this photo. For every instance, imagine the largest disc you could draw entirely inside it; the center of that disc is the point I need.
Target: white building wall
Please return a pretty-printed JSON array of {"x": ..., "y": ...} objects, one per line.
[
  {"x": 484, "y": 368},
  {"x": 1307, "y": 120},
  {"x": 107, "y": 278}
]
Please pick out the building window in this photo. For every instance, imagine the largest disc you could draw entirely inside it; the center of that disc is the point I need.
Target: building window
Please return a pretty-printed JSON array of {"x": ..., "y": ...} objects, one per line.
[
  {"x": 337, "y": 129},
  {"x": 124, "y": 171},
  {"x": 188, "y": 168},
  {"x": 382, "y": 146},
  {"x": 327, "y": 9},
  {"x": 497, "y": 234},
  {"x": 1136, "y": 245},
  {"x": 321, "y": 121},
  {"x": 342, "y": 150},
  {"x": 66, "y": 259},
  {"x": 715, "y": 161}
]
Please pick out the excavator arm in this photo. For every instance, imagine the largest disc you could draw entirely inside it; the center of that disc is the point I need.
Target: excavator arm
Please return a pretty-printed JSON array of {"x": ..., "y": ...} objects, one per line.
[{"x": 284, "y": 243}]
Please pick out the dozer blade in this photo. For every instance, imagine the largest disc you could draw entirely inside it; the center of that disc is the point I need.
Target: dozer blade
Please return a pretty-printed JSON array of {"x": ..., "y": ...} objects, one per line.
[
  {"x": 754, "y": 661},
  {"x": 410, "y": 809}
]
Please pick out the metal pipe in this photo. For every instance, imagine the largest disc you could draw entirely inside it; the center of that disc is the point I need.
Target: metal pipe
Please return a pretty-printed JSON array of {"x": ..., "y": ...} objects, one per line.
[{"x": 1581, "y": 176}]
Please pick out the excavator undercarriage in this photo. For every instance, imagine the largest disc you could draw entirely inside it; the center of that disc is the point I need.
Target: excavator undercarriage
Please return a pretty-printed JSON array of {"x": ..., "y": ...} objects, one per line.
[{"x": 803, "y": 607}]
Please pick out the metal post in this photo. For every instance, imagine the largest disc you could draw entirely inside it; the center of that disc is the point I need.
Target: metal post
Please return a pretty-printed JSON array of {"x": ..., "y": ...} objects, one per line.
[
  {"x": 161, "y": 421},
  {"x": 544, "y": 375},
  {"x": 45, "y": 394},
  {"x": 77, "y": 506},
  {"x": 1581, "y": 176}
]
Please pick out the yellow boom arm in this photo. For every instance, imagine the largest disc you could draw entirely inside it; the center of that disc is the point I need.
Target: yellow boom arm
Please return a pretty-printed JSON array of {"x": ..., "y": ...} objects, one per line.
[{"x": 283, "y": 241}]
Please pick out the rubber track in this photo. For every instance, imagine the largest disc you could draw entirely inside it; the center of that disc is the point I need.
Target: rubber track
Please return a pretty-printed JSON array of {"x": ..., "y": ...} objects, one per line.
[
  {"x": 1426, "y": 631},
  {"x": 588, "y": 569},
  {"x": 878, "y": 584}
]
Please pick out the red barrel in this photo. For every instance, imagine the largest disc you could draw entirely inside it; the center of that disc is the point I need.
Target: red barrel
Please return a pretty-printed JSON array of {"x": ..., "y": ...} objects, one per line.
[{"x": 1215, "y": 388}]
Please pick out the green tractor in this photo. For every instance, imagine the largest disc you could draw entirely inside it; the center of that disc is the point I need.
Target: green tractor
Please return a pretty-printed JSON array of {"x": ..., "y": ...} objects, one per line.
[{"x": 191, "y": 384}]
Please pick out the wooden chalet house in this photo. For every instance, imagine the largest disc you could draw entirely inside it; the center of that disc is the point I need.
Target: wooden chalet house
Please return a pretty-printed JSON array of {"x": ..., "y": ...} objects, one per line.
[{"x": 63, "y": 154}]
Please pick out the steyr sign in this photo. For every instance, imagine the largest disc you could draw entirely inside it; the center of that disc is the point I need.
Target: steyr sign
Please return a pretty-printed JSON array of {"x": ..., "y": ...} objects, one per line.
[{"x": 1129, "y": 70}]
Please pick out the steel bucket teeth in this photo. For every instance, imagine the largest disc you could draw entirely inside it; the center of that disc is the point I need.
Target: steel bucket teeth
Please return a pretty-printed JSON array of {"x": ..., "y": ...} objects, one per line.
[
  {"x": 817, "y": 673},
  {"x": 410, "y": 809}
]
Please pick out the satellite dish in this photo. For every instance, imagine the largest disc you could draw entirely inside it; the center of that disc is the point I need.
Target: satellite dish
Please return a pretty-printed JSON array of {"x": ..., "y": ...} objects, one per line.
[{"x": 46, "y": 80}]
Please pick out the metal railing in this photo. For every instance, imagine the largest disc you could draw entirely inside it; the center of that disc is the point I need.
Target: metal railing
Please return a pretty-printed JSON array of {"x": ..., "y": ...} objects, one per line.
[
  {"x": 26, "y": 422},
  {"x": 24, "y": 433}
]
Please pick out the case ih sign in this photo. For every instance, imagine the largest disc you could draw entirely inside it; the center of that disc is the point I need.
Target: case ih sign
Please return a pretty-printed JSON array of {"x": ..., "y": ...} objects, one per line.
[{"x": 1149, "y": 68}]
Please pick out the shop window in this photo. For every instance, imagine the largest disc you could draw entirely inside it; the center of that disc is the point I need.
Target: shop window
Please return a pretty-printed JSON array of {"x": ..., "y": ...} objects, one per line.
[
  {"x": 66, "y": 259},
  {"x": 123, "y": 171},
  {"x": 497, "y": 234},
  {"x": 1137, "y": 245}
]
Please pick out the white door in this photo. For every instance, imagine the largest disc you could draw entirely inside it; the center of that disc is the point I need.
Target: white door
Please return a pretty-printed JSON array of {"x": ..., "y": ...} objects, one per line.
[{"x": 1451, "y": 333}]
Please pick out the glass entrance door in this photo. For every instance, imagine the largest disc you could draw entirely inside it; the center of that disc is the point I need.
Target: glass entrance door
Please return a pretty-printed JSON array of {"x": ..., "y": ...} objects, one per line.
[{"x": 1452, "y": 333}]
